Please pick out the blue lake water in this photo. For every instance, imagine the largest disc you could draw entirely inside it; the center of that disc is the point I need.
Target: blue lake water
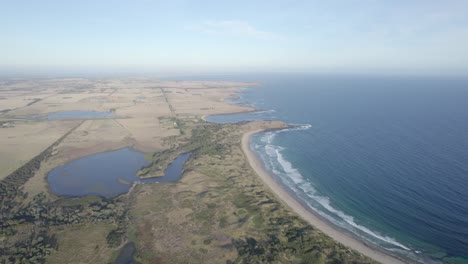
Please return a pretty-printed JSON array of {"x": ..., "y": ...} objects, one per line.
[
  {"x": 383, "y": 157},
  {"x": 75, "y": 115},
  {"x": 126, "y": 254},
  {"x": 108, "y": 174}
]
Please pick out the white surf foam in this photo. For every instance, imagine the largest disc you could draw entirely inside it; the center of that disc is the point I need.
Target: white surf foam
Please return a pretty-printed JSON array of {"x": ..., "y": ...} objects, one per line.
[
  {"x": 295, "y": 180},
  {"x": 263, "y": 112},
  {"x": 295, "y": 127}
]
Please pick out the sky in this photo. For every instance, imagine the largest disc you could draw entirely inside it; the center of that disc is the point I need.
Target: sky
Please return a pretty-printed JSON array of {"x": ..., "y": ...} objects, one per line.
[{"x": 346, "y": 36}]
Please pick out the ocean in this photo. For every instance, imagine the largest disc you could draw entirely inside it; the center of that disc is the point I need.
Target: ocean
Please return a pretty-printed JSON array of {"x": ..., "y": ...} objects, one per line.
[{"x": 385, "y": 158}]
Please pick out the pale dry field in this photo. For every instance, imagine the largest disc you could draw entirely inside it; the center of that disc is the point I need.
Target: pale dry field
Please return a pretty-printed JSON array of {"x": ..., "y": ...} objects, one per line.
[
  {"x": 143, "y": 109},
  {"x": 27, "y": 139},
  {"x": 211, "y": 215}
]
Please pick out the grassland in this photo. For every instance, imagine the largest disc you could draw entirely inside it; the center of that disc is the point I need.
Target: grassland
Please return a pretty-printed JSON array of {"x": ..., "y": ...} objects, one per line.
[
  {"x": 143, "y": 111},
  {"x": 219, "y": 212}
]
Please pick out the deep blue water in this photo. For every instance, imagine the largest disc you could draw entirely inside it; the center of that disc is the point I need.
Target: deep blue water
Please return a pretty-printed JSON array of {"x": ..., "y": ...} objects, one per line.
[
  {"x": 99, "y": 174},
  {"x": 384, "y": 157},
  {"x": 75, "y": 115}
]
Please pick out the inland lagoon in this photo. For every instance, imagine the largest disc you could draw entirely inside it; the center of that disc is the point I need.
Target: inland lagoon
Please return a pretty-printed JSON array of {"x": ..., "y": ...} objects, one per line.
[{"x": 108, "y": 174}]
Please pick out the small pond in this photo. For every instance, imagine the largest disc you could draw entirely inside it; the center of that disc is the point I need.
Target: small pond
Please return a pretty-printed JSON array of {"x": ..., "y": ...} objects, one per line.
[
  {"x": 74, "y": 115},
  {"x": 108, "y": 174},
  {"x": 126, "y": 254}
]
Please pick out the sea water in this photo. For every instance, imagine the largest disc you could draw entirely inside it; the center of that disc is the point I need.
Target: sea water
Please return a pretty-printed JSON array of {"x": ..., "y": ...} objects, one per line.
[{"x": 385, "y": 158}]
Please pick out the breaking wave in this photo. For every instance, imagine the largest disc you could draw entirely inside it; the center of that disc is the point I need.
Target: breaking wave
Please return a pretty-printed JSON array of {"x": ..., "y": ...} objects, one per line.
[{"x": 275, "y": 161}]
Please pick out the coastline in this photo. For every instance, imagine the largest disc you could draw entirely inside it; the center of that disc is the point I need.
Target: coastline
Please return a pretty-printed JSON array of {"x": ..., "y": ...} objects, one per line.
[
  {"x": 247, "y": 110},
  {"x": 309, "y": 217}
]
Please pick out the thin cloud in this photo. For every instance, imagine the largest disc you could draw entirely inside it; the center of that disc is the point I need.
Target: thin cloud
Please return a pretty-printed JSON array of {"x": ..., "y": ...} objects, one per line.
[{"x": 230, "y": 27}]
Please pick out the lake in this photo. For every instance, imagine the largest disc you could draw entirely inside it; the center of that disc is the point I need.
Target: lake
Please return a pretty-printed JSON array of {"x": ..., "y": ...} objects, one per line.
[{"x": 108, "y": 174}]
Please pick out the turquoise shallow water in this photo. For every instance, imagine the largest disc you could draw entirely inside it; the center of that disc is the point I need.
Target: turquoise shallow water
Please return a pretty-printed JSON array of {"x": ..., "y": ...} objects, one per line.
[{"x": 383, "y": 157}]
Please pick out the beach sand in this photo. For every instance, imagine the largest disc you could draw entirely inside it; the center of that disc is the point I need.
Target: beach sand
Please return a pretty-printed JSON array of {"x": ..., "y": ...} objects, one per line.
[
  {"x": 325, "y": 227},
  {"x": 147, "y": 112}
]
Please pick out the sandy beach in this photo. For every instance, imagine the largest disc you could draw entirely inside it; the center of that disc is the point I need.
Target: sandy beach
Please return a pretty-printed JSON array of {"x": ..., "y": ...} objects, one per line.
[
  {"x": 218, "y": 188},
  {"x": 325, "y": 227}
]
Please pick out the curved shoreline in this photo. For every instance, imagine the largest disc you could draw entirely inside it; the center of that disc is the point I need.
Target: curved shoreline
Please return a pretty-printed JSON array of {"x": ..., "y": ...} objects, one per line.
[{"x": 312, "y": 219}]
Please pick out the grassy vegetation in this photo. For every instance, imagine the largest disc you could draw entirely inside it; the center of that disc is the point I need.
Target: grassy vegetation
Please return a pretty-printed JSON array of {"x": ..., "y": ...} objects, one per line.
[
  {"x": 219, "y": 212},
  {"x": 82, "y": 243},
  {"x": 10, "y": 185},
  {"x": 28, "y": 229},
  {"x": 28, "y": 232},
  {"x": 200, "y": 143}
]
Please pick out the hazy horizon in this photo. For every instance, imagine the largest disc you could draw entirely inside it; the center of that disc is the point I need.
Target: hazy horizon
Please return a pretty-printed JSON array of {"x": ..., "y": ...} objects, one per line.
[{"x": 53, "y": 38}]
